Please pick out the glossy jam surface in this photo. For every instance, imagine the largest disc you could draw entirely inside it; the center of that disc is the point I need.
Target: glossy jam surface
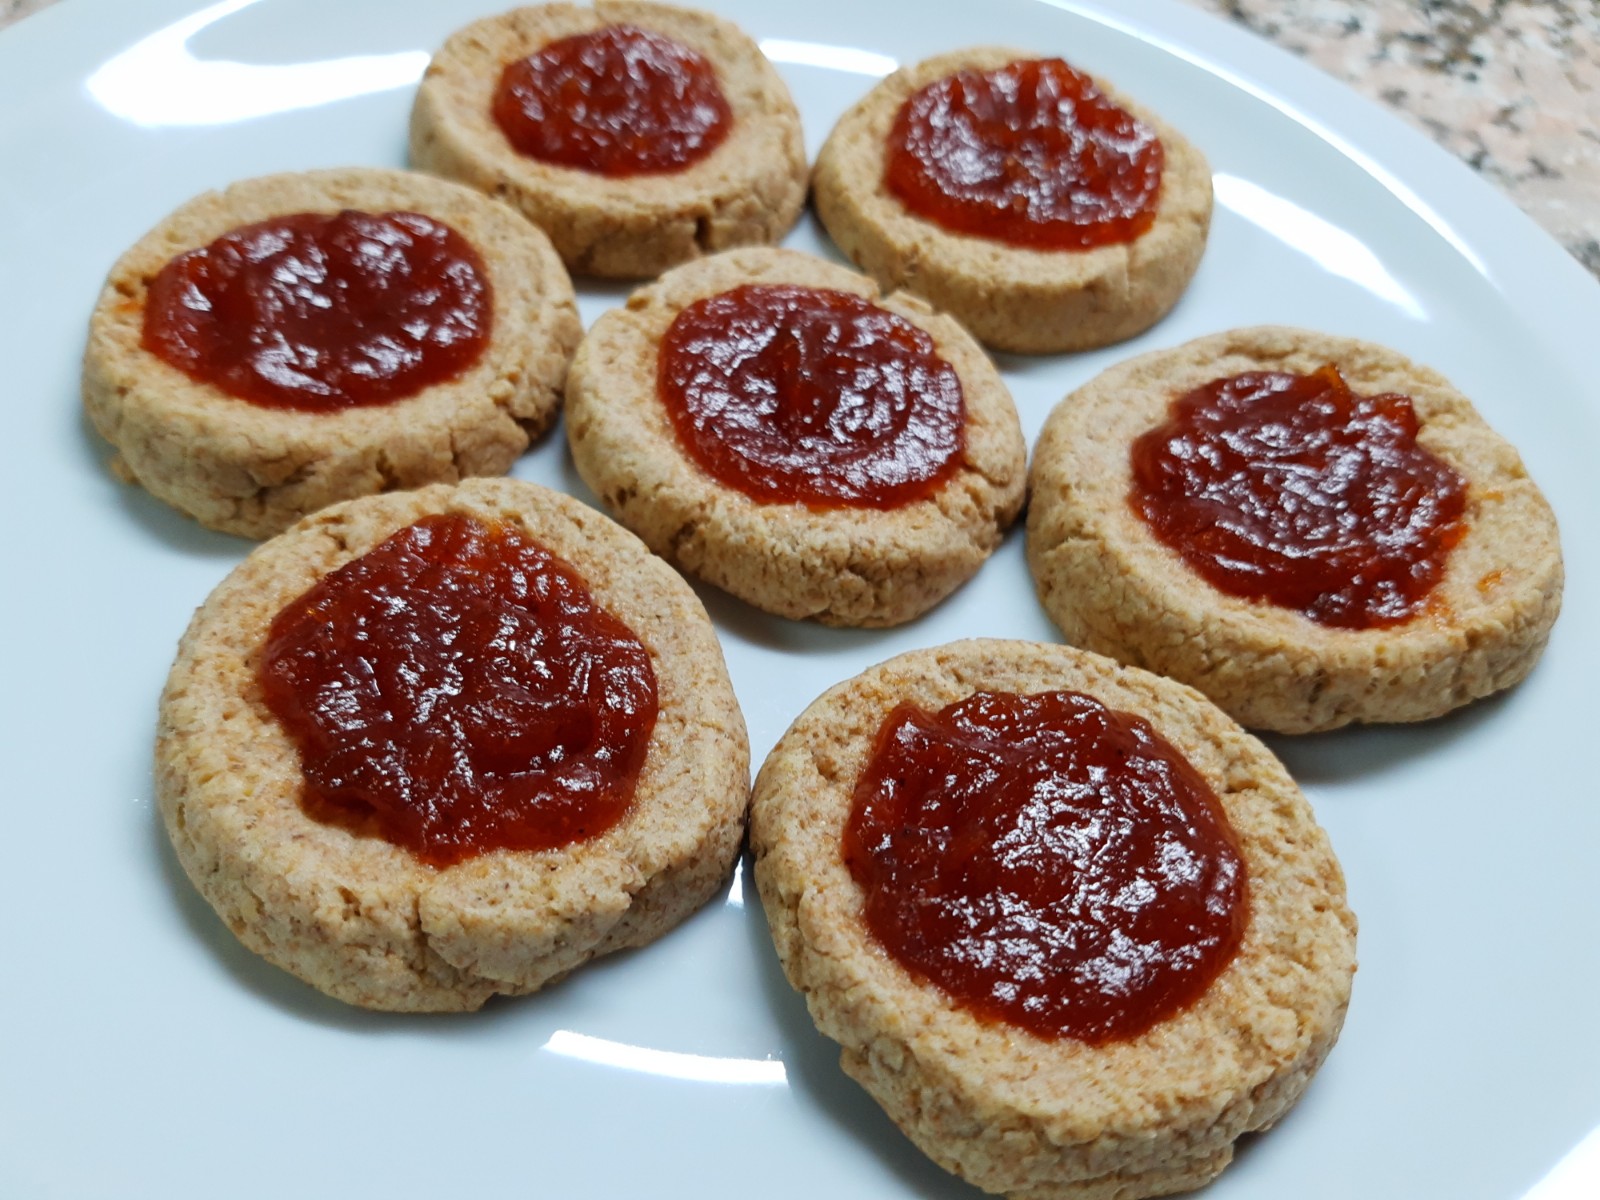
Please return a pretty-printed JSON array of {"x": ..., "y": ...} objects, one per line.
[
  {"x": 1031, "y": 153},
  {"x": 806, "y": 395},
  {"x": 321, "y": 313},
  {"x": 1047, "y": 862},
  {"x": 619, "y": 101},
  {"x": 458, "y": 689},
  {"x": 1291, "y": 489}
]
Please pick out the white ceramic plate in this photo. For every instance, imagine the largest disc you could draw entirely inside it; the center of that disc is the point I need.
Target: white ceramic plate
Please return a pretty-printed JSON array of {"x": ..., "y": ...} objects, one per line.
[{"x": 143, "y": 1052}]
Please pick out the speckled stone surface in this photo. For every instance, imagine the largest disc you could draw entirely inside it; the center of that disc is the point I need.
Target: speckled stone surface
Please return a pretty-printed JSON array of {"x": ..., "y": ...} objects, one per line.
[
  {"x": 15, "y": 10},
  {"x": 1510, "y": 86}
]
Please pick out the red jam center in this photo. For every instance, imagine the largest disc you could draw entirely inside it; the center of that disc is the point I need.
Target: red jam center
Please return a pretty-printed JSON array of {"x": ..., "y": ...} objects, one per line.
[
  {"x": 1047, "y": 862},
  {"x": 805, "y": 395},
  {"x": 321, "y": 313},
  {"x": 458, "y": 687},
  {"x": 618, "y": 101},
  {"x": 1291, "y": 489},
  {"x": 1031, "y": 153}
]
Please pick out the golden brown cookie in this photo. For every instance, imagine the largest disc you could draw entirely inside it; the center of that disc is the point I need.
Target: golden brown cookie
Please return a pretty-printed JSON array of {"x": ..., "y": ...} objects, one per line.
[
  {"x": 747, "y": 191},
  {"x": 1002, "y": 1107},
  {"x": 1114, "y": 587},
  {"x": 1011, "y": 297},
  {"x": 243, "y": 468},
  {"x": 842, "y": 566},
  {"x": 372, "y": 924}
]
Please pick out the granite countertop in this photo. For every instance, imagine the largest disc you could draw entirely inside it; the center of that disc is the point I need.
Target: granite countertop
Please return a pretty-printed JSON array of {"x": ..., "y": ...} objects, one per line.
[{"x": 1512, "y": 87}]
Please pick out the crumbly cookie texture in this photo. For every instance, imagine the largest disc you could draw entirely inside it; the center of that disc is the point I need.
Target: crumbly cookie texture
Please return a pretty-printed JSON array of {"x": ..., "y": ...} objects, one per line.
[
  {"x": 1010, "y": 297},
  {"x": 362, "y": 919},
  {"x": 1004, "y": 1109},
  {"x": 251, "y": 470},
  {"x": 746, "y": 192},
  {"x": 1113, "y": 587},
  {"x": 842, "y": 566}
]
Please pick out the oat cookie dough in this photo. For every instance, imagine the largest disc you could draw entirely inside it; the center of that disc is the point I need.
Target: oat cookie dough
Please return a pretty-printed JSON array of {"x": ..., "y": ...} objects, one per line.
[
  {"x": 1113, "y": 587},
  {"x": 841, "y": 566},
  {"x": 748, "y": 191},
  {"x": 243, "y": 468},
  {"x": 369, "y": 923},
  {"x": 1011, "y": 297},
  {"x": 997, "y": 1105}
]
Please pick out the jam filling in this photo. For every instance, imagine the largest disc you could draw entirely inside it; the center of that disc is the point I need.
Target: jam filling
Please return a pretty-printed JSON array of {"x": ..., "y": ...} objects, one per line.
[
  {"x": 1046, "y": 862},
  {"x": 618, "y": 101},
  {"x": 320, "y": 313},
  {"x": 1031, "y": 153},
  {"x": 457, "y": 690},
  {"x": 805, "y": 395},
  {"x": 1293, "y": 490}
]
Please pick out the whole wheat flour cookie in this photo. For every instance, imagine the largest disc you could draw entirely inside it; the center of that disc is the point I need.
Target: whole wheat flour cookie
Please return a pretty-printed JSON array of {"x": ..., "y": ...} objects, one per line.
[
  {"x": 1444, "y": 592},
  {"x": 322, "y": 386},
  {"x": 1015, "y": 292},
  {"x": 961, "y": 852},
  {"x": 386, "y": 897},
  {"x": 792, "y": 468},
  {"x": 686, "y": 142}
]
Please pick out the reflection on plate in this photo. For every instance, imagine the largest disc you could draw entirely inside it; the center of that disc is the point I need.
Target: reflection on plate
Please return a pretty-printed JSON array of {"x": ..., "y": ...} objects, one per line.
[{"x": 146, "y": 1053}]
